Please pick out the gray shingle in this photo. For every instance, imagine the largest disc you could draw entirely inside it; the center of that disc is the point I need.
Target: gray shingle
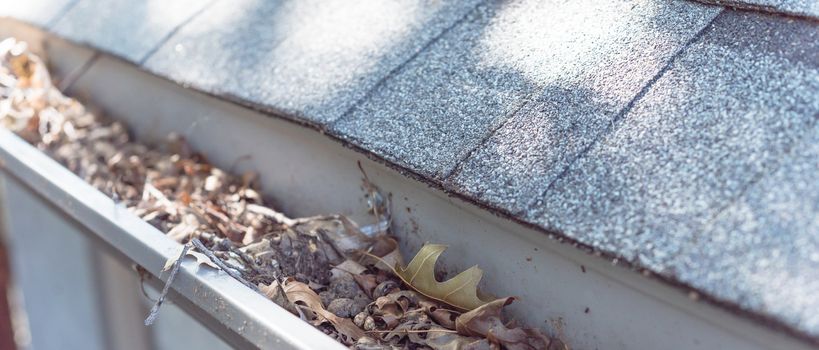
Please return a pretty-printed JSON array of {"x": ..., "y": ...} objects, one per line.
[
  {"x": 807, "y": 8},
  {"x": 309, "y": 59},
  {"x": 37, "y": 12},
  {"x": 130, "y": 29},
  {"x": 440, "y": 105},
  {"x": 723, "y": 116},
  {"x": 709, "y": 179},
  {"x": 769, "y": 244},
  {"x": 595, "y": 84}
]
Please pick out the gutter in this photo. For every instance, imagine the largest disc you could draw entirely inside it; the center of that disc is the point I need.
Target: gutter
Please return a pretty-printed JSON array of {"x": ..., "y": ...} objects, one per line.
[{"x": 587, "y": 297}]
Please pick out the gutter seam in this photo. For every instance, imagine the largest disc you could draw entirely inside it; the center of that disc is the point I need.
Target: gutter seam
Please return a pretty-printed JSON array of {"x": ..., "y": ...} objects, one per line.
[{"x": 77, "y": 73}]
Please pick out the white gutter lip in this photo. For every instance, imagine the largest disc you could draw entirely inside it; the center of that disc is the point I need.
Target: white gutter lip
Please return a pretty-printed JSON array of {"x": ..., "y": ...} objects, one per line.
[{"x": 247, "y": 314}]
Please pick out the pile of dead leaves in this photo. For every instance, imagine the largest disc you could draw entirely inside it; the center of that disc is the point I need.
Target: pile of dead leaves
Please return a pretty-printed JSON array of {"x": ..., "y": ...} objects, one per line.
[{"x": 348, "y": 281}]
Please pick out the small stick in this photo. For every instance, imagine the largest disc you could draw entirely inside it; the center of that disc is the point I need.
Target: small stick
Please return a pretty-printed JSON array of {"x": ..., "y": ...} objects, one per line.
[
  {"x": 201, "y": 247},
  {"x": 232, "y": 247},
  {"x": 155, "y": 309},
  {"x": 414, "y": 331},
  {"x": 272, "y": 214}
]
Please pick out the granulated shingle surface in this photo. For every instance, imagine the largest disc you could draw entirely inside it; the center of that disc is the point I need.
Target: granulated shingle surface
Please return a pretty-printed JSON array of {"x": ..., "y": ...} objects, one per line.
[
  {"x": 130, "y": 29},
  {"x": 311, "y": 59},
  {"x": 38, "y": 12},
  {"x": 676, "y": 136},
  {"x": 727, "y": 114},
  {"x": 806, "y": 8},
  {"x": 595, "y": 67},
  {"x": 768, "y": 243},
  {"x": 586, "y": 57}
]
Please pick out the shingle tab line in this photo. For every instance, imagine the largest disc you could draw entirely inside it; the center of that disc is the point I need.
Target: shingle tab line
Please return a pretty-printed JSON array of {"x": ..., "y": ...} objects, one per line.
[{"x": 621, "y": 115}]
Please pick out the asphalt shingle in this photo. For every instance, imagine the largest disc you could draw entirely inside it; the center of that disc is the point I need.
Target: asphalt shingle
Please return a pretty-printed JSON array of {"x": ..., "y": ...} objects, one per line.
[
  {"x": 442, "y": 104},
  {"x": 634, "y": 127},
  {"x": 806, "y": 8},
  {"x": 768, "y": 243},
  {"x": 725, "y": 114},
  {"x": 38, "y": 12},
  {"x": 308, "y": 59},
  {"x": 591, "y": 87},
  {"x": 129, "y": 29}
]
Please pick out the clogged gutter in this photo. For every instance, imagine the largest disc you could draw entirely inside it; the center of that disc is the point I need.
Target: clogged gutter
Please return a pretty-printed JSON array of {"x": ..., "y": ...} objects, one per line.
[{"x": 348, "y": 281}]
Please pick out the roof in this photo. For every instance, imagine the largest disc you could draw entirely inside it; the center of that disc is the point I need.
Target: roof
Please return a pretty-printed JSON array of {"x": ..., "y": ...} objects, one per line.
[
  {"x": 801, "y": 8},
  {"x": 678, "y": 137}
]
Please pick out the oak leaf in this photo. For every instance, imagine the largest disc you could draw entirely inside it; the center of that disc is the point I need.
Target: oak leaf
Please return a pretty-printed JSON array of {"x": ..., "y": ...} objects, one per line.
[
  {"x": 298, "y": 292},
  {"x": 439, "y": 340},
  {"x": 275, "y": 292},
  {"x": 460, "y": 291},
  {"x": 486, "y": 321},
  {"x": 201, "y": 259},
  {"x": 386, "y": 249}
]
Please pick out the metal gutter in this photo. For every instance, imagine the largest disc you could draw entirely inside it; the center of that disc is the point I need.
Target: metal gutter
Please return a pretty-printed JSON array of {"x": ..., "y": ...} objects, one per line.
[
  {"x": 247, "y": 319},
  {"x": 595, "y": 303}
]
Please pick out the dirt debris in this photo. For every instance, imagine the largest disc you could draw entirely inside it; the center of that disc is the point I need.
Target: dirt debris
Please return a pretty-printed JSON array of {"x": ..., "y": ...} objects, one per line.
[{"x": 348, "y": 281}]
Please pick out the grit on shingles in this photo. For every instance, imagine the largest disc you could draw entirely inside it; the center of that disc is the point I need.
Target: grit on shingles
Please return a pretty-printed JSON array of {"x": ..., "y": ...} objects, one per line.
[
  {"x": 725, "y": 115},
  {"x": 676, "y": 184},
  {"x": 586, "y": 87},
  {"x": 443, "y": 103},
  {"x": 804, "y": 8},
  {"x": 768, "y": 244},
  {"x": 129, "y": 29},
  {"x": 310, "y": 59},
  {"x": 41, "y": 13}
]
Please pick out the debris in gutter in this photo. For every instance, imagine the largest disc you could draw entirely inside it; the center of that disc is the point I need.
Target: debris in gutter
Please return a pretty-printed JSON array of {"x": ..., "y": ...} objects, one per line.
[{"x": 348, "y": 281}]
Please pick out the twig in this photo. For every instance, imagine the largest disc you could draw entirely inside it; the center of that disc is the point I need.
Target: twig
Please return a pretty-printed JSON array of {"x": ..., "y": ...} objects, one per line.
[
  {"x": 232, "y": 273},
  {"x": 149, "y": 189},
  {"x": 232, "y": 248},
  {"x": 155, "y": 309},
  {"x": 414, "y": 331},
  {"x": 272, "y": 214}
]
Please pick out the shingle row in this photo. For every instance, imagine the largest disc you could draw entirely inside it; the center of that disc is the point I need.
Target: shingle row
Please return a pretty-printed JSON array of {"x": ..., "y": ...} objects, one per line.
[{"x": 678, "y": 136}]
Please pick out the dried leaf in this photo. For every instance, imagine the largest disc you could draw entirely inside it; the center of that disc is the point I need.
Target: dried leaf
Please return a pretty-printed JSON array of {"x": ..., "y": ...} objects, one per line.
[
  {"x": 367, "y": 282},
  {"x": 460, "y": 291},
  {"x": 347, "y": 267},
  {"x": 409, "y": 324},
  {"x": 392, "y": 308},
  {"x": 389, "y": 256},
  {"x": 344, "y": 235},
  {"x": 486, "y": 321},
  {"x": 397, "y": 300},
  {"x": 201, "y": 259},
  {"x": 176, "y": 190},
  {"x": 420, "y": 330},
  {"x": 449, "y": 341},
  {"x": 275, "y": 293},
  {"x": 298, "y": 292},
  {"x": 442, "y": 316}
]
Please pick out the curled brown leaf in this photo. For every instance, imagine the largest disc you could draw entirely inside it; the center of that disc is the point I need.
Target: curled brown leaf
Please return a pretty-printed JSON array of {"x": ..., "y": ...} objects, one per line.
[
  {"x": 444, "y": 317},
  {"x": 298, "y": 292},
  {"x": 486, "y": 321}
]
